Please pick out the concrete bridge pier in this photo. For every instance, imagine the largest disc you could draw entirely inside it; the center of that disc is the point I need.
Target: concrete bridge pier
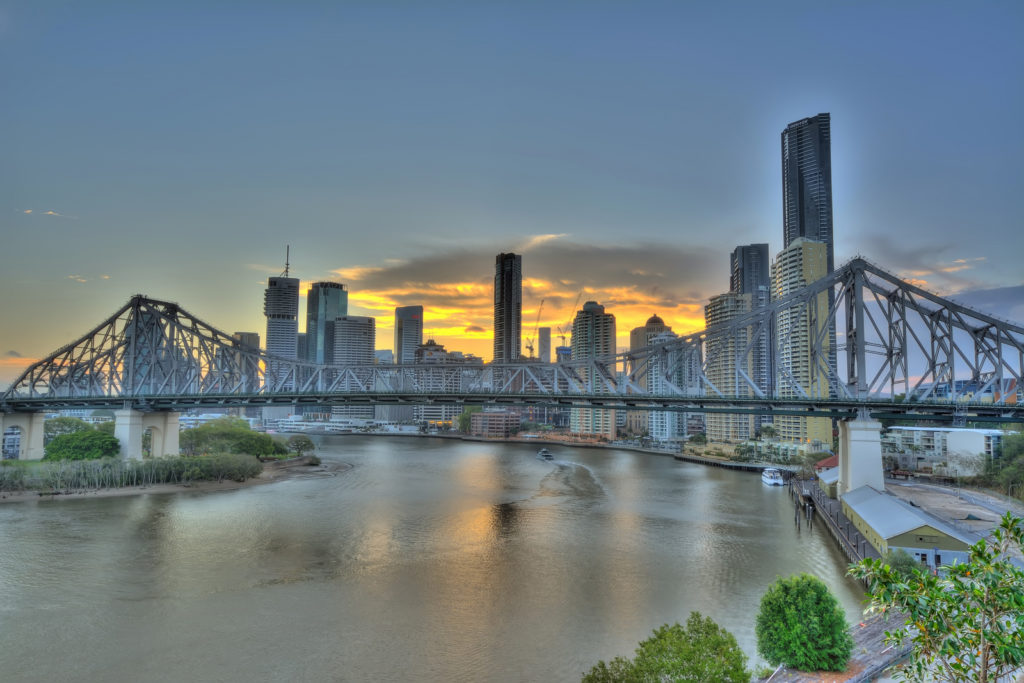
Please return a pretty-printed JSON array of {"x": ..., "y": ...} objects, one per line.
[
  {"x": 860, "y": 454},
  {"x": 130, "y": 425},
  {"x": 30, "y": 426}
]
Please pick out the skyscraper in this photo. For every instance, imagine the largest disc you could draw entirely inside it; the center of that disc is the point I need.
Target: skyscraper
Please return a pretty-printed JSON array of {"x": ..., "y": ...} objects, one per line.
[
  {"x": 325, "y": 302},
  {"x": 725, "y": 361},
  {"x": 408, "y": 333},
  {"x": 640, "y": 337},
  {"x": 797, "y": 328},
  {"x": 807, "y": 182},
  {"x": 508, "y": 306},
  {"x": 544, "y": 344},
  {"x": 355, "y": 337},
  {"x": 593, "y": 336},
  {"x": 750, "y": 273},
  {"x": 281, "y": 307}
]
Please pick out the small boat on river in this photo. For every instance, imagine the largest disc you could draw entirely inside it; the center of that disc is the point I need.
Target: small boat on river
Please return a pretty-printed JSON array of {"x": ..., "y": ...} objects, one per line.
[
  {"x": 544, "y": 454},
  {"x": 772, "y": 477}
]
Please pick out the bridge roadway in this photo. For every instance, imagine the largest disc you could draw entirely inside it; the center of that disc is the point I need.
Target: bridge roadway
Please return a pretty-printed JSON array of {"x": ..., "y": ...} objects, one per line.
[{"x": 839, "y": 408}]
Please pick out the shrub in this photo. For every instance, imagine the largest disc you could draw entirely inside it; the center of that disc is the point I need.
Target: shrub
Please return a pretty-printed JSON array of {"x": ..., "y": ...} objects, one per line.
[{"x": 801, "y": 625}]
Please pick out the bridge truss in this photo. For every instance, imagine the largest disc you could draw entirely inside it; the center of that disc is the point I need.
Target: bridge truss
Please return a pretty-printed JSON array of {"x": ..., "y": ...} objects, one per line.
[{"x": 898, "y": 349}]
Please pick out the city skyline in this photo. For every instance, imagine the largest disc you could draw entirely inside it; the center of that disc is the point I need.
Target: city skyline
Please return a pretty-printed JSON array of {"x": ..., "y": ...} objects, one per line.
[{"x": 117, "y": 185}]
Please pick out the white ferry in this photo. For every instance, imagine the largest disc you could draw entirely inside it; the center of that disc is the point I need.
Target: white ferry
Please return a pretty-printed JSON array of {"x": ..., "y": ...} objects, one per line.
[{"x": 772, "y": 477}]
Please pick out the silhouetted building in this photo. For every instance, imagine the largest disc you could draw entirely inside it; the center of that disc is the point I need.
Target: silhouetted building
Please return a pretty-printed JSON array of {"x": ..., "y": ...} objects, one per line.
[
  {"x": 508, "y": 306},
  {"x": 408, "y": 333}
]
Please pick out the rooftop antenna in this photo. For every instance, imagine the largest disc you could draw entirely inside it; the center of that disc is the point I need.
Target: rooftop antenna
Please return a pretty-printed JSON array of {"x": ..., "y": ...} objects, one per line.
[{"x": 287, "y": 256}]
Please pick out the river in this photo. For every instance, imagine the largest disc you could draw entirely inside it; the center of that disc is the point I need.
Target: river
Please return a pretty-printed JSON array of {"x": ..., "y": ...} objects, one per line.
[{"x": 429, "y": 560}]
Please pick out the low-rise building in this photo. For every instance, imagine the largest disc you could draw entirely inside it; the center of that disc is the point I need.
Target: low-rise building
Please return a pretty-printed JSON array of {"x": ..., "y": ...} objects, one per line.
[
  {"x": 950, "y": 451},
  {"x": 890, "y": 524},
  {"x": 498, "y": 424}
]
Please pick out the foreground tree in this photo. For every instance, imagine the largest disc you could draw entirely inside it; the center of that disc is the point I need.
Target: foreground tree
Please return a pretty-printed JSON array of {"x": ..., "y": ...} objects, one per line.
[
  {"x": 801, "y": 625},
  {"x": 700, "y": 651},
  {"x": 966, "y": 624},
  {"x": 299, "y": 443},
  {"x": 85, "y": 445}
]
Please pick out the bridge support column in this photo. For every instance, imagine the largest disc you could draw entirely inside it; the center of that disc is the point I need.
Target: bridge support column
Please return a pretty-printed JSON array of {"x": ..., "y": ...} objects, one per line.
[
  {"x": 860, "y": 455},
  {"x": 128, "y": 430},
  {"x": 163, "y": 431},
  {"x": 30, "y": 425}
]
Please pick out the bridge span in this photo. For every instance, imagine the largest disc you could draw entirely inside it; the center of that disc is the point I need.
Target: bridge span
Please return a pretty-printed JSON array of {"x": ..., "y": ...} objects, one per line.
[{"x": 900, "y": 352}]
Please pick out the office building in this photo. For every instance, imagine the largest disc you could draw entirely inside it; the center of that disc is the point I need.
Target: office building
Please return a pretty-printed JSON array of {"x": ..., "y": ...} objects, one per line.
[
  {"x": 281, "y": 307},
  {"x": 664, "y": 425},
  {"x": 796, "y": 328},
  {"x": 807, "y": 183},
  {"x": 723, "y": 354},
  {"x": 355, "y": 337},
  {"x": 408, "y": 333},
  {"x": 508, "y": 306},
  {"x": 593, "y": 336},
  {"x": 325, "y": 303}
]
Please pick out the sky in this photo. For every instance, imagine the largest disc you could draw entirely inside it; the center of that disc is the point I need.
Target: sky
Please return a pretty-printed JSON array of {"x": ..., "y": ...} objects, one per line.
[{"x": 624, "y": 149}]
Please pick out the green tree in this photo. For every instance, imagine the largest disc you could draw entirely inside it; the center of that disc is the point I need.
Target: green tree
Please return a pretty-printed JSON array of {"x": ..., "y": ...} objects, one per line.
[
  {"x": 965, "y": 624},
  {"x": 700, "y": 651},
  {"x": 85, "y": 445},
  {"x": 901, "y": 562},
  {"x": 299, "y": 443},
  {"x": 801, "y": 625},
  {"x": 767, "y": 431},
  {"x": 699, "y": 439},
  {"x": 56, "y": 426},
  {"x": 466, "y": 418}
]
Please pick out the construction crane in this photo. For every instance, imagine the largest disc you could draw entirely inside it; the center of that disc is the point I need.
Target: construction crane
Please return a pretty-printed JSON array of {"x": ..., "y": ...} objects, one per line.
[
  {"x": 567, "y": 328},
  {"x": 536, "y": 325}
]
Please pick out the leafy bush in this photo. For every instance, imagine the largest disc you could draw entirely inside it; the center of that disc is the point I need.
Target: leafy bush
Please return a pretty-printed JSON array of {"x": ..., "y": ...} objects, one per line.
[
  {"x": 228, "y": 435},
  {"x": 299, "y": 443},
  {"x": 800, "y": 624},
  {"x": 88, "y": 444},
  {"x": 700, "y": 651}
]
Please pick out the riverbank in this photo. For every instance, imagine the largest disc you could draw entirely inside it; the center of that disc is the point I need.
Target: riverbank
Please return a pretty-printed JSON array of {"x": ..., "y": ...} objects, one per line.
[{"x": 272, "y": 472}]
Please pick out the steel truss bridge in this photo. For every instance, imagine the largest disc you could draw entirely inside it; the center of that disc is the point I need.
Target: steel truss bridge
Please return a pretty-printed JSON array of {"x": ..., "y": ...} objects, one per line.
[{"x": 897, "y": 351}]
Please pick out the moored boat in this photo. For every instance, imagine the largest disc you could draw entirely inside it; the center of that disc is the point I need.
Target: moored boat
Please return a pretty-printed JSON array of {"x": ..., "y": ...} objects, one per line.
[{"x": 772, "y": 476}]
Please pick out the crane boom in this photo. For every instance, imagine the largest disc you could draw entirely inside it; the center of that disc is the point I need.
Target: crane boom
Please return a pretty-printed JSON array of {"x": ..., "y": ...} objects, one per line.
[{"x": 536, "y": 324}]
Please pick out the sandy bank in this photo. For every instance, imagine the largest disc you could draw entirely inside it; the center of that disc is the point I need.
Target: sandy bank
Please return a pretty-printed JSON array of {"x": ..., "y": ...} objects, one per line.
[{"x": 272, "y": 472}]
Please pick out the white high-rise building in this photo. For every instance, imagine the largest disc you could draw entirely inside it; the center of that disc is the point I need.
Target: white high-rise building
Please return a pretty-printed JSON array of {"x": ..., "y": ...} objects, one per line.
[
  {"x": 721, "y": 366},
  {"x": 802, "y": 262},
  {"x": 664, "y": 425},
  {"x": 593, "y": 336}
]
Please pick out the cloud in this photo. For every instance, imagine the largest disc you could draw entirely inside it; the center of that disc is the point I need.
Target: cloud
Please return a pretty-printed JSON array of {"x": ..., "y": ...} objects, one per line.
[
  {"x": 1001, "y": 302},
  {"x": 455, "y": 287},
  {"x": 538, "y": 240},
  {"x": 54, "y": 214},
  {"x": 13, "y": 354},
  {"x": 925, "y": 265},
  {"x": 11, "y": 368},
  {"x": 76, "y": 278}
]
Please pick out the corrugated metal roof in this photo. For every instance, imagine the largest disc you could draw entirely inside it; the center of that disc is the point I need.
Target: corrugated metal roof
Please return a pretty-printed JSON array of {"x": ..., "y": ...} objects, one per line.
[
  {"x": 829, "y": 476},
  {"x": 891, "y": 517}
]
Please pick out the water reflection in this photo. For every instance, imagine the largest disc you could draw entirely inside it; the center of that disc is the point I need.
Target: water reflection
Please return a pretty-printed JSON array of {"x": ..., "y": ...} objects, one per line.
[{"x": 427, "y": 560}]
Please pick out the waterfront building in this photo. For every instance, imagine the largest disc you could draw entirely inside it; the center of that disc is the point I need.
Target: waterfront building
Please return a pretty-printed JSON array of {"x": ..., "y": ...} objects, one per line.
[
  {"x": 432, "y": 353},
  {"x": 947, "y": 451},
  {"x": 325, "y": 303},
  {"x": 508, "y": 306},
  {"x": 497, "y": 424},
  {"x": 664, "y": 425},
  {"x": 804, "y": 261},
  {"x": 723, "y": 354},
  {"x": 544, "y": 344},
  {"x": 750, "y": 273},
  {"x": 355, "y": 337},
  {"x": 408, "y": 333},
  {"x": 637, "y": 421},
  {"x": 593, "y": 336}
]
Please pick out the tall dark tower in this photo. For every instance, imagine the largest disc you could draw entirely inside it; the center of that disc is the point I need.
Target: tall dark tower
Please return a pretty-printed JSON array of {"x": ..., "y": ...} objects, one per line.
[
  {"x": 807, "y": 182},
  {"x": 508, "y": 306}
]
